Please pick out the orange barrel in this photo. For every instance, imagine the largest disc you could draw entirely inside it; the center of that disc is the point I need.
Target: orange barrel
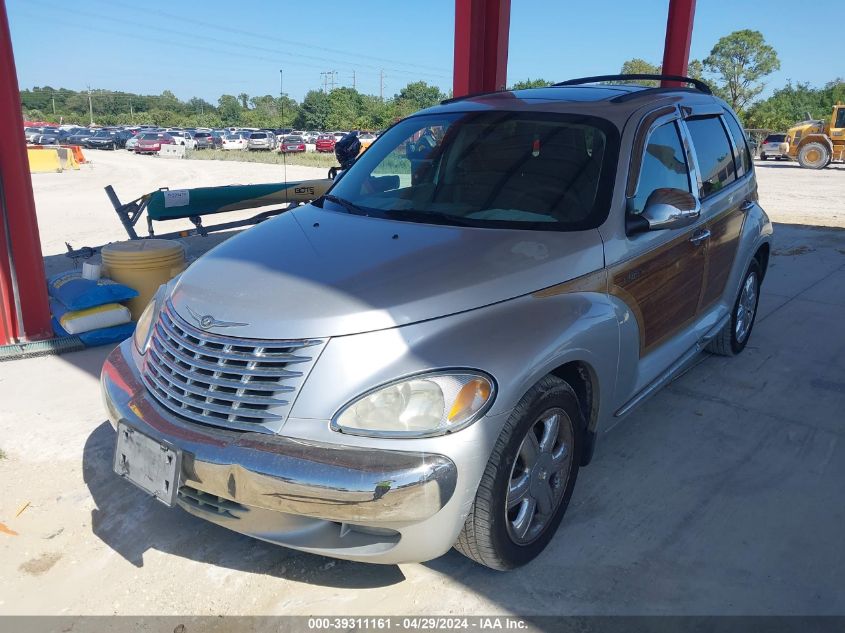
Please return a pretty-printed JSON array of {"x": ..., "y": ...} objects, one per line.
[{"x": 143, "y": 265}]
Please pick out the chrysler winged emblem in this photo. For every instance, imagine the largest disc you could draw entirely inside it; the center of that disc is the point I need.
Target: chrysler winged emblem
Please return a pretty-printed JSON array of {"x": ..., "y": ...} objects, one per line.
[{"x": 206, "y": 321}]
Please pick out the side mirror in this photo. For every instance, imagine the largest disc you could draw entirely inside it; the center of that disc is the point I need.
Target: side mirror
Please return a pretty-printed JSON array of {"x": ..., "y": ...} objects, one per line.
[{"x": 669, "y": 209}]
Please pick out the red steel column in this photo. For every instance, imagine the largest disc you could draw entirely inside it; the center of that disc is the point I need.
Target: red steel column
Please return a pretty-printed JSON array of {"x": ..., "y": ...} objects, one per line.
[
  {"x": 481, "y": 45},
  {"x": 18, "y": 224},
  {"x": 678, "y": 38}
]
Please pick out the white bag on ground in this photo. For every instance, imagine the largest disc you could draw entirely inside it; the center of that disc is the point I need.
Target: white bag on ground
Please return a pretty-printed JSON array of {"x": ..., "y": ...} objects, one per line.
[{"x": 79, "y": 321}]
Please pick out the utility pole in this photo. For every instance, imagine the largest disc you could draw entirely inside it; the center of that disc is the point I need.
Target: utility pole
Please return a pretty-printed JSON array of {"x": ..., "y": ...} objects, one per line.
[
  {"x": 354, "y": 86},
  {"x": 333, "y": 75},
  {"x": 282, "y": 93},
  {"x": 324, "y": 78},
  {"x": 53, "y": 99},
  {"x": 131, "y": 112},
  {"x": 381, "y": 85},
  {"x": 90, "y": 107}
]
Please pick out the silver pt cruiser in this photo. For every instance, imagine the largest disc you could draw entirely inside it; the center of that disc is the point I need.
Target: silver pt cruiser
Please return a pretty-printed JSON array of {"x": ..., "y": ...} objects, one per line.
[{"x": 424, "y": 356}]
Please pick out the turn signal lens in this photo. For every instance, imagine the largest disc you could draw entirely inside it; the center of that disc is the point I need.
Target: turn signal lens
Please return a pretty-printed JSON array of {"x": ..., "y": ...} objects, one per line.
[{"x": 470, "y": 399}]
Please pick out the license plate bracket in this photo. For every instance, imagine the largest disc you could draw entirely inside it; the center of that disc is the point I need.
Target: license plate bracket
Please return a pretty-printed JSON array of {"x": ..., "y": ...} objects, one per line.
[{"x": 150, "y": 464}]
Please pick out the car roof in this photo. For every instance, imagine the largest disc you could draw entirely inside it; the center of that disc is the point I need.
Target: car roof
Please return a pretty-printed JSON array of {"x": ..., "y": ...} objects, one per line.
[{"x": 616, "y": 101}]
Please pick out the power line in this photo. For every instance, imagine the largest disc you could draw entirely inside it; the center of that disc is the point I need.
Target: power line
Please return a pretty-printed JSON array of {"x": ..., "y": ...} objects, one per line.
[
  {"x": 237, "y": 45},
  {"x": 252, "y": 34}
]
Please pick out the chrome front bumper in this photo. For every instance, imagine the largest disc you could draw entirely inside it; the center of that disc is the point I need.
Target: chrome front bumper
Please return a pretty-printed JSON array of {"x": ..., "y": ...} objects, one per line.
[{"x": 289, "y": 479}]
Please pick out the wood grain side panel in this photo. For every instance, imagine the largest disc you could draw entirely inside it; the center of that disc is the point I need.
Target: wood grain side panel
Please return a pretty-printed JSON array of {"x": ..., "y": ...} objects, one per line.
[
  {"x": 662, "y": 288},
  {"x": 722, "y": 248},
  {"x": 591, "y": 282}
]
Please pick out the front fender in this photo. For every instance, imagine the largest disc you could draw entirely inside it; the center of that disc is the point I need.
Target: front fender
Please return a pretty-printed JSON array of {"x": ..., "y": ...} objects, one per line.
[{"x": 517, "y": 342}]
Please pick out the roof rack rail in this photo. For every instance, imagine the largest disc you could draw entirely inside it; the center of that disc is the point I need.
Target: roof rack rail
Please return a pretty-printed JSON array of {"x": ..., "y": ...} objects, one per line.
[
  {"x": 700, "y": 85},
  {"x": 473, "y": 95}
]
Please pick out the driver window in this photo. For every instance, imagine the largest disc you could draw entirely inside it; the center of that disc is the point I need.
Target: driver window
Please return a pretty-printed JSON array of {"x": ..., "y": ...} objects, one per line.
[
  {"x": 664, "y": 166},
  {"x": 410, "y": 162}
]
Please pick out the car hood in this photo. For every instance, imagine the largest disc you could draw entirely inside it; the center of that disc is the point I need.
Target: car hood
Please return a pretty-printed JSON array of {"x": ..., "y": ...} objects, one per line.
[{"x": 313, "y": 273}]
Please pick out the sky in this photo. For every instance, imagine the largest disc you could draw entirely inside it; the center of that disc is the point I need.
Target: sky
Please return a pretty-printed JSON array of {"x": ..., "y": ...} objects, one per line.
[{"x": 212, "y": 47}]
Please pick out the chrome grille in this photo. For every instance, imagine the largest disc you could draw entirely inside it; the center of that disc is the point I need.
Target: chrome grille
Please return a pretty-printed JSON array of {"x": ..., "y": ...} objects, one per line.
[{"x": 236, "y": 383}]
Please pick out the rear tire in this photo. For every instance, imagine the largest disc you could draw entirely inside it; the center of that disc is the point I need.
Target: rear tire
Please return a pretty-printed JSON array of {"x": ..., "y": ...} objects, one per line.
[
  {"x": 763, "y": 157},
  {"x": 733, "y": 338},
  {"x": 814, "y": 156},
  {"x": 528, "y": 481}
]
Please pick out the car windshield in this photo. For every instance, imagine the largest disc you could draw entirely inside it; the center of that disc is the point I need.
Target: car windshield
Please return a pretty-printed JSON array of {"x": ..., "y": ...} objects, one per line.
[
  {"x": 544, "y": 171},
  {"x": 293, "y": 139},
  {"x": 775, "y": 138},
  {"x": 152, "y": 137},
  {"x": 258, "y": 135},
  {"x": 104, "y": 133},
  {"x": 201, "y": 134}
]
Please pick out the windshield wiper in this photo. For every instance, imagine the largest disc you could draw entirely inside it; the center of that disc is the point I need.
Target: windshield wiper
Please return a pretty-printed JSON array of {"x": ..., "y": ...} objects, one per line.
[
  {"x": 350, "y": 207},
  {"x": 430, "y": 217}
]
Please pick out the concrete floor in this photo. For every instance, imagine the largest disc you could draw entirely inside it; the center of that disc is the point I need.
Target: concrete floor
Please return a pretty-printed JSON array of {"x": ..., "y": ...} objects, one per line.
[{"x": 722, "y": 495}]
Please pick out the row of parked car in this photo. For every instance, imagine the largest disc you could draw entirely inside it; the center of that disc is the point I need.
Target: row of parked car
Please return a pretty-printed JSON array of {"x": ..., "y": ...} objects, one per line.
[{"x": 148, "y": 139}]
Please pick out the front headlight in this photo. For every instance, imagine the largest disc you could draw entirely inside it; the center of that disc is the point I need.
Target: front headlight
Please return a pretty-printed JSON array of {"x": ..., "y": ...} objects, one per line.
[
  {"x": 144, "y": 327},
  {"x": 419, "y": 406}
]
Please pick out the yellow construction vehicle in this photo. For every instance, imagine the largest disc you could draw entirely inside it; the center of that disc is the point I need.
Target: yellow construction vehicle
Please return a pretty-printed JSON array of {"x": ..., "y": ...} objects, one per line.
[{"x": 815, "y": 144}]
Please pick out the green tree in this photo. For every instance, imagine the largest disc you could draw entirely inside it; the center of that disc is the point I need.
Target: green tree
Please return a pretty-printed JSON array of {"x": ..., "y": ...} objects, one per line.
[
  {"x": 794, "y": 103},
  {"x": 531, "y": 83},
  {"x": 314, "y": 112},
  {"x": 229, "y": 109},
  {"x": 739, "y": 62},
  {"x": 244, "y": 98},
  {"x": 420, "y": 95},
  {"x": 638, "y": 66},
  {"x": 288, "y": 111},
  {"x": 200, "y": 106},
  {"x": 345, "y": 110},
  {"x": 695, "y": 69}
]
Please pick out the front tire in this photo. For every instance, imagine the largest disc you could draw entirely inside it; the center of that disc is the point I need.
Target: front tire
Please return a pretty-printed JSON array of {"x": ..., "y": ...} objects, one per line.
[
  {"x": 814, "y": 156},
  {"x": 734, "y": 336},
  {"x": 763, "y": 157},
  {"x": 528, "y": 481}
]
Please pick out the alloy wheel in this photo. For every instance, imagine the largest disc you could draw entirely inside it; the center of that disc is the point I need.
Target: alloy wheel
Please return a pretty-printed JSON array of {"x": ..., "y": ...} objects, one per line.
[
  {"x": 539, "y": 476},
  {"x": 746, "y": 307}
]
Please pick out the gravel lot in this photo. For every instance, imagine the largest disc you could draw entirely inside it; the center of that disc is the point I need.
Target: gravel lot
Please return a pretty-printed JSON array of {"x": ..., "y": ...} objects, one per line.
[
  {"x": 792, "y": 195},
  {"x": 72, "y": 206},
  {"x": 722, "y": 495}
]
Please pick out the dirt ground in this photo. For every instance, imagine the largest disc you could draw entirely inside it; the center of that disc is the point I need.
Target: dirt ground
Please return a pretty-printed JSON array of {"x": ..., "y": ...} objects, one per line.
[
  {"x": 721, "y": 495},
  {"x": 72, "y": 206},
  {"x": 793, "y": 195}
]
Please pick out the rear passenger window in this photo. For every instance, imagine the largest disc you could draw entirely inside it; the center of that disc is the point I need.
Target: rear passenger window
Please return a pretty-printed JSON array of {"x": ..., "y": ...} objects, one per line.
[
  {"x": 743, "y": 163},
  {"x": 664, "y": 166},
  {"x": 715, "y": 159}
]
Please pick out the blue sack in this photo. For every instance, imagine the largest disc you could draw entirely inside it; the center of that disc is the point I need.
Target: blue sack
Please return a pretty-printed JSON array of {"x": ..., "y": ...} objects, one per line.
[
  {"x": 103, "y": 336},
  {"x": 76, "y": 293}
]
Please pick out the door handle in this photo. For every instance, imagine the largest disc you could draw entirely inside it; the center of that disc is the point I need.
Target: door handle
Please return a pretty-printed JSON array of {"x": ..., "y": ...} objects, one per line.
[
  {"x": 746, "y": 206},
  {"x": 700, "y": 237}
]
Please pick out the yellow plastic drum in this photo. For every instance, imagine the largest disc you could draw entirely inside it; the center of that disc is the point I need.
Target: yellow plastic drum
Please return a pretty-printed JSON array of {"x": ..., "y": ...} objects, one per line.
[{"x": 143, "y": 265}]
